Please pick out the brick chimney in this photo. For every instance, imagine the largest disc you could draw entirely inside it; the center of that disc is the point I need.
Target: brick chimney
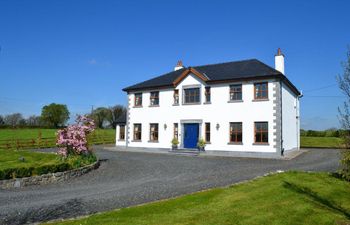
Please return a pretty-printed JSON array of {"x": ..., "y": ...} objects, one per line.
[
  {"x": 279, "y": 61},
  {"x": 179, "y": 65}
]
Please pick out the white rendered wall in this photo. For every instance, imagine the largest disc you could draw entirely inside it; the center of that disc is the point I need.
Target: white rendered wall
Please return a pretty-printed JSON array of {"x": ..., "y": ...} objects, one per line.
[
  {"x": 218, "y": 112},
  {"x": 290, "y": 119}
]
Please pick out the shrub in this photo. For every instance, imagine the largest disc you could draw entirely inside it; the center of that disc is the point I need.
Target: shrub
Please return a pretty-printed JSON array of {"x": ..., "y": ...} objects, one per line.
[{"x": 345, "y": 168}]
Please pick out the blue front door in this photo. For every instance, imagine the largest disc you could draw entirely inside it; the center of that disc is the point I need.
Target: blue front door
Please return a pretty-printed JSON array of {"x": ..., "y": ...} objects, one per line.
[{"x": 191, "y": 135}]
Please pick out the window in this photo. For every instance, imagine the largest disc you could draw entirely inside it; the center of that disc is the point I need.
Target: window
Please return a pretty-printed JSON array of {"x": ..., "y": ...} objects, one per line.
[
  {"x": 122, "y": 132},
  {"x": 155, "y": 98},
  {"x": 137, "y": 132},
  {"x": 236, "y": 92},
  {"x": 207, "y": 94},
  {"x": 261, "y": 132},
  {"x": 261, "y": 90},
  {"x": 207, "y": 132},
  {"x": 236, "y": 132},
  {"x": 138, "y": 99},
  {"x": 191, "y": 95},
  {"x": 176, "y": 97},
  {"x": 153, "y": 132},
  {"x": 176, "y": 131}
]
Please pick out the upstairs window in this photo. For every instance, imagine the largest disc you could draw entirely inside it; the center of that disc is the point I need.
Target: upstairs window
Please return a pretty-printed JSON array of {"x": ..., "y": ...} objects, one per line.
[
  {"x": 207, "y": 94},
  {"x": 122, "y": 132},
  {"x": 261, "y": 132},
  {"x": 154, "y": 98},
  {"x": 236, "y": 92},
  {"x": 236, "y": 132},
  {"x": 176, "y": 97},
  {"x": 176, "y": 131},
  {"x": 138, "y": 99},
  {"x": 153, "y": 132},
  {"x": 261, "y": 90},
  {"x": 192, "y": 95},
  {"x": 207, "y": 132},
  {"x": 137, "y": 131}
]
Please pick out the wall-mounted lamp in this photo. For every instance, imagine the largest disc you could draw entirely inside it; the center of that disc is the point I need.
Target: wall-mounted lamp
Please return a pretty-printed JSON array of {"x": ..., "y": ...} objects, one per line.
[
  {"x": 165, "y": 126},
  {"x": 217, "y": 126}
]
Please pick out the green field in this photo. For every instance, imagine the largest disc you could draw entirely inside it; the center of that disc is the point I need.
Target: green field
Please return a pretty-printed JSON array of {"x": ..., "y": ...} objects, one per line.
[
  {"x": 43, "y": 138},
  {"x": 287, "y": 198},
  {"x": 320, "y": 142}
]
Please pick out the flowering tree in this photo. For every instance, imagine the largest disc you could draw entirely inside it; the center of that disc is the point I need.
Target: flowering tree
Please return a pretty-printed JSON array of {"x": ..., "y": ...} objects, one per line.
[{"x": 73, "y": 139}]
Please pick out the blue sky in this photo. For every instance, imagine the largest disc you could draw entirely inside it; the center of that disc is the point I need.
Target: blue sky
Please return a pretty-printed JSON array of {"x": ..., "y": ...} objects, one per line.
[{"x": 82, "y": 53}]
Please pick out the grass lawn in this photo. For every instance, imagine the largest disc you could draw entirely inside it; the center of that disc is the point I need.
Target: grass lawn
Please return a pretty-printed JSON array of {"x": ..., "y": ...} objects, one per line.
[
  {"x": 286, "y": 198},
  {"x": 10, "y": 159},
  {"x": 320, "y": 142}
]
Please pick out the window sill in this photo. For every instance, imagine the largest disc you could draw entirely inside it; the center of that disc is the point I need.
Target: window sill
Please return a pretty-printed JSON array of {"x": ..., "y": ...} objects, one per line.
[
  {"x": 261, "y": 100},
  {"x": 206, "y": 103},
  {"x": 208, "y": 143},
  {"x": 136, "y": 141},
  {"x": 121, "y": 140},
  {"x": 153, "y": 106},
  {"x": 153, "y": 141},
  {"x": 195, "y": 103},
  {"x": 176, "y": 104},
  {"x": 234, "y": 101},
  {"x": 137, "y": 106},
  {"x": 235, "y": 143},
  {"x": 262, "y": 143}
]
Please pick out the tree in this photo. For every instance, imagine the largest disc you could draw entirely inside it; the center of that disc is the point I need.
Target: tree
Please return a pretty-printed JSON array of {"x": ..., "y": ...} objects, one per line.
[
  {"x": 114, "y": 114},
  {"x": 344, "y": 115},
  {"x": 34, "y": 121},
  {"x": 100, "y": 116},
  {"x": 13, "y": 119},
  {"x": 55, "y": 115},
  {"x": 2, "y": 122}
]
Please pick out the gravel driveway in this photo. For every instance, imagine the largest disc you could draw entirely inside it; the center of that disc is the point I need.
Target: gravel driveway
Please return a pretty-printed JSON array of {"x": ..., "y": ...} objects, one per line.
[{"x": 126, "y": 179}]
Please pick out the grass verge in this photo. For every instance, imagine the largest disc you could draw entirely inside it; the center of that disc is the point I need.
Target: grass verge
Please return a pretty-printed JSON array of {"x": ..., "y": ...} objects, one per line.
[
  {"x": 17, "y": 164},
  {"x": 321, "y": 142},
  {"x": 287, "y": 198}
]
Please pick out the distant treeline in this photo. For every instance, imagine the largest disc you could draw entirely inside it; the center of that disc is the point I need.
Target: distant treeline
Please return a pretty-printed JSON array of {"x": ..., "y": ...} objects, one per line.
[{"x": 324, "y": 133}]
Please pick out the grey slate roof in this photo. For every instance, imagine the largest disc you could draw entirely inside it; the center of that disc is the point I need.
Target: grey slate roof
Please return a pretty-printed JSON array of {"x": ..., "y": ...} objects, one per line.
[{"x": 237, "y": 70}]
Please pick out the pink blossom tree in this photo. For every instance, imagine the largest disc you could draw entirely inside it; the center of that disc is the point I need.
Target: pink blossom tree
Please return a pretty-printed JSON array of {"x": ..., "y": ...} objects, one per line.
[{"x": 73, "y": 139}]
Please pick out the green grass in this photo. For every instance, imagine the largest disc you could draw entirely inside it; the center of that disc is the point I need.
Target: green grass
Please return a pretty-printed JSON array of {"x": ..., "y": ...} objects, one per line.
[
  {"x": 10, "y": 159},
  {"x": 287, "y": 198},
  {"x": 320, "y": 142},
  {"x": 22, "y": 163}
]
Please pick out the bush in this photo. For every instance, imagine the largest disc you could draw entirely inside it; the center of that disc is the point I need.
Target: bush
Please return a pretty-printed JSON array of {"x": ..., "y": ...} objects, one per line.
[
  {"x": 345, "y": 161},
  {"x": 69, "y": 163}
]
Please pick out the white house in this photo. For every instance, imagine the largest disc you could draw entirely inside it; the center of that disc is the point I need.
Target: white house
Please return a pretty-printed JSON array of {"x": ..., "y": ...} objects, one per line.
[{"x": 239, "y": 108}]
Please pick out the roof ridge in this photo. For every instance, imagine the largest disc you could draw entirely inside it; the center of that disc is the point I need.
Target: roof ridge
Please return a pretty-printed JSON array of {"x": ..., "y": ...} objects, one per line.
[{"x": 215, "y": 64}]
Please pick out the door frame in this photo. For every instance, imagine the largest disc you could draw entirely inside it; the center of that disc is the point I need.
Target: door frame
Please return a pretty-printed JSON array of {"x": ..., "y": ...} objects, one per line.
[{"x": 183, "y": 122}]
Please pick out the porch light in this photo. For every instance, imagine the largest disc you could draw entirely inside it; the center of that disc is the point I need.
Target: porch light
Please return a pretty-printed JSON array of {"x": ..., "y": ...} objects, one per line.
[
  {"x": 165, "y": 126},
  {"x": 217, "y": 126}
]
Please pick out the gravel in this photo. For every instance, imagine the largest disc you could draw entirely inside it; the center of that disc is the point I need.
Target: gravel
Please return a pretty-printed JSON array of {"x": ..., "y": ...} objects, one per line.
[{"x": 126, "y": 179}]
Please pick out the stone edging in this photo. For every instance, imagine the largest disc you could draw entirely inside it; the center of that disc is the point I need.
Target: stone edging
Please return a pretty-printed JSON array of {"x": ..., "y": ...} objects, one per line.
[{"x": 48, "y": 178}]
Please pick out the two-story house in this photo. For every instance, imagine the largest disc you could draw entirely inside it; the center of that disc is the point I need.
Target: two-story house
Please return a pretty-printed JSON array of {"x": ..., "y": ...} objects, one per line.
[{"x": 243, "y": 107}]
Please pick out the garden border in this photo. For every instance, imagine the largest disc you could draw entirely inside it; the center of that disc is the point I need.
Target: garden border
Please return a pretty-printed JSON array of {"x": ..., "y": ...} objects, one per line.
[{"x": 48, "y": 178}]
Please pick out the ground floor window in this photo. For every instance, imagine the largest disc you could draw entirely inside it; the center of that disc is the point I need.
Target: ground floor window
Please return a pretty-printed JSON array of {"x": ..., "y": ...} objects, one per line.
[
  {"x": 137, "y": 131},
  {"x": 207, "y": 132},
  {"x": 122, "y": 132},
  {"x": 153, "y": 132},
  {"x": 176, "y": 131},
  {"x": 236, "y": 132},
  {"x": 261, "y": 132}
]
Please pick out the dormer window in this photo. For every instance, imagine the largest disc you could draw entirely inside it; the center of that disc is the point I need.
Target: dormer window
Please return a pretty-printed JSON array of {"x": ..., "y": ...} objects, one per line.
[
  {"x": 176, "y": 97},
  {"x": 154, "y": 99},
  {"x": 207, "y": 95},
  {"x": 138, "y": 99},
  {"x": 191, "y": 96}
]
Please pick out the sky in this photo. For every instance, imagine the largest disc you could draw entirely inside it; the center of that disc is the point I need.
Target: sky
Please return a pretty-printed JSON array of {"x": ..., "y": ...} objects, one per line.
[{"x": 82, "y": 53}]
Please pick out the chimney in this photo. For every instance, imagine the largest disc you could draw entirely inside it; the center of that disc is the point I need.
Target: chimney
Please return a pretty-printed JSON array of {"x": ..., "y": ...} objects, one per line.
[
  {"x": 178, "y": 65},
  {"x": 279, "y": 61}
]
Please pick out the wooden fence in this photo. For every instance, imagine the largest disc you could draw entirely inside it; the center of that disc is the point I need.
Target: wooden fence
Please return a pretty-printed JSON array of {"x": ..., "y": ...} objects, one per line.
[{"x": 39, "y": 142}]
